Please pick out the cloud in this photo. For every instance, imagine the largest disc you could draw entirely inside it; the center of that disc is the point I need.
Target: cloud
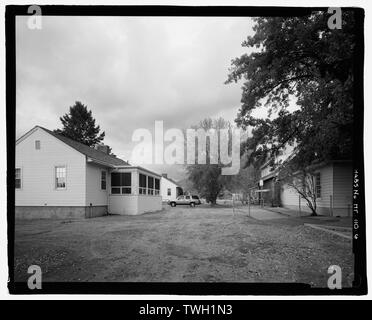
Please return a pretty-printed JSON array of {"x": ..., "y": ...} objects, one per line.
[{"x": 130, "y": 71}]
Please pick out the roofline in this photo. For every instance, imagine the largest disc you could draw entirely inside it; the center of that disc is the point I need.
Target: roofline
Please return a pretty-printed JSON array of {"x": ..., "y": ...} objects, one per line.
[
  {"x": 266, "y": 163},
  {"x": 25, "y": 135},
  {"x": 28, "y": 133},
  {"x": 326, "y": 163},
  {"x": 318, "y": 165},
  {"x": 138, "y": 168},
  {"x": 170, "y": 180},
  {"x": 91, "y": 159},
  {"x": 270, "y": 175}
]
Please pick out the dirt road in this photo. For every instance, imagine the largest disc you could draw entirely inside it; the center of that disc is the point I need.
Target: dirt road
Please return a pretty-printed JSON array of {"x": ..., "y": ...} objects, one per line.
[{"x": 201, "y": 244}]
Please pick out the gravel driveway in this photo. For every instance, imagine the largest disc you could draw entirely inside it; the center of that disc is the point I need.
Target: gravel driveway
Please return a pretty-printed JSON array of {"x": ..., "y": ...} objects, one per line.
[{"x": 201, "y": 244}]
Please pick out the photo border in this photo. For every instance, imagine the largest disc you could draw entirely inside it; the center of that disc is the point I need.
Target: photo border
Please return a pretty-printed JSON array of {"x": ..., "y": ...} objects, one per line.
[{"x": 185, "y": 288}]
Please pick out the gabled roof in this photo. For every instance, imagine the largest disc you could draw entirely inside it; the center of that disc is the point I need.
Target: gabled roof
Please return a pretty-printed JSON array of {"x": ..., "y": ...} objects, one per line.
[
  {"x": 84, "y": 149},
  {"x": 141, "y": 169},
  {"x": 171, "y": 180}
]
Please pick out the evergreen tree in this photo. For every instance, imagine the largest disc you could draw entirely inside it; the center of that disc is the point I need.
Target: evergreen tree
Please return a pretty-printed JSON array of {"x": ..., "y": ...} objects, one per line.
[{"x": 80, "y": 125}]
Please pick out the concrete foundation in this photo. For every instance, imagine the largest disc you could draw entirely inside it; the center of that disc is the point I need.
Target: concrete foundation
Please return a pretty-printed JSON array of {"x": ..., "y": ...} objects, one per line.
[
  {"x": 341, "y": 212},
  {"x": 50, "y": 212},
  {"x": 95, "y": 211}
]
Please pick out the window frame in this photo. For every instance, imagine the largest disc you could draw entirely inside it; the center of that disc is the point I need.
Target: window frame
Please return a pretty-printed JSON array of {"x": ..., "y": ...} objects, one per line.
[
  {"x": 169, "y": 192},
  {"x": 157, "y": 189},
  {"x": 37, "y": 144},
  {"x": 318, "y": 187},
  {"x": 121, "y": 187},
  {"x": 150, "y": 191},
  {"x": 142, "y": 190},
  {"x": 55, "y": 177},
  {"x": 20, "y": 178},
  {"x": 104, "y": 180}
]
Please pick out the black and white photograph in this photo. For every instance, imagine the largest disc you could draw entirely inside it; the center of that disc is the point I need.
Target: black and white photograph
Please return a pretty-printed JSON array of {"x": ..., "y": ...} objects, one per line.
[{"x": 185, "y": 150}]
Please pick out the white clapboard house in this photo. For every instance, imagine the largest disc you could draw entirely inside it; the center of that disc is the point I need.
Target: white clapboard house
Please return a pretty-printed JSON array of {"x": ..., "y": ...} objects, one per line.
[
  {"x": 170, "y": 189},
  {"x": 56, "y": 177},
  {"x": 333, "y": 187}
]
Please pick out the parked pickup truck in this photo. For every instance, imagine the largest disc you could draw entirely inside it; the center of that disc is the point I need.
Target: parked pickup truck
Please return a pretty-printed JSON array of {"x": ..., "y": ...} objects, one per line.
[{"x": 185, "y": 200}]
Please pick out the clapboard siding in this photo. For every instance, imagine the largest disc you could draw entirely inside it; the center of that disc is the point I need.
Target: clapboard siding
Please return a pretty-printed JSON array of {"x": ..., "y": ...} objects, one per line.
[
  {"x": 343, "y": 178},
  {"x": 165, "y": 185},
  {"x": 290, "y": 198},
  {"x": 38, "y": 172},
  {"x": 326, "y": 180},
  {"x": 95, "y": 195}
]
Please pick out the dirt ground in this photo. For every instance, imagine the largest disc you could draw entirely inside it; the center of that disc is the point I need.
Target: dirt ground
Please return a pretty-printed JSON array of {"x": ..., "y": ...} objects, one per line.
[{"x": 201, "y": 244}]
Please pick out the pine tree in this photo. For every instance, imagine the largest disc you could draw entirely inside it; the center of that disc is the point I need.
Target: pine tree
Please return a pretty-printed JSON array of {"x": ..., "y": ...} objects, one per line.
[{"x": 80, "y": 125}]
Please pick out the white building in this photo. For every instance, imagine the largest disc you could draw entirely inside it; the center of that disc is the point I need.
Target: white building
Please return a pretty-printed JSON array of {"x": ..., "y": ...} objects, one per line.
[
  {"x": 333, "y": 187},
  {"x": 334, "y": 183},
  {"x": 170, "y": 189},
  {"x": 56, "y": 177}
]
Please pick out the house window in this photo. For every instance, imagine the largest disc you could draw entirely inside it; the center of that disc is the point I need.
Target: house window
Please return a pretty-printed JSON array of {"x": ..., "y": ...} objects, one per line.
[
  {"x": 142, "y": 183},
  {"x": 60, "y": 173},
  {"x": 18, "y": 179},
  {"x": 157, "y": 187},
  {"x": 121, "y": 183},
  {"x": 169, "y": 192},
  {"x": 103, "y": 180},
  {"x": 318, "y": 187},
  {"x": 37, "y": 144},
  {"x": 151, "y": 185}
]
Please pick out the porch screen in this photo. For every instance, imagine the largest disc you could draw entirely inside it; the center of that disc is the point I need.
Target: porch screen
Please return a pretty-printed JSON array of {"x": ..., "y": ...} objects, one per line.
[
  {"x": 142, "y": 183},
  {"x": 121, "y": 183},
  {"x": 157, "y": 186},
  {"x": 151, "y": 185}
]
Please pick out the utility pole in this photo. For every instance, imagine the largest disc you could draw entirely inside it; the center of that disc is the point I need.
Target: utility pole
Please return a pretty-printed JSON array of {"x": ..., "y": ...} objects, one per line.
[
  {"x": 249, "y": 205},
  {"x": 233, "y": 203}
]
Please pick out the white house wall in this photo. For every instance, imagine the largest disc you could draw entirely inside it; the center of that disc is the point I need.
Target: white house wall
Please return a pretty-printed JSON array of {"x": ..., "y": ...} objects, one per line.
[
  {"x": 343, "y": 184},
  {"x": 38, "y": 172},
  {"x": 95, "y": 195},
  {"x": 336, "y": 192},
  {"x": 290, "y": 198},
  {"x": 326, "y": 180},
  {"x": 123, "y": 204},
  {"x": 149, "y": 203},
  {"x": 165, "y": 184}
]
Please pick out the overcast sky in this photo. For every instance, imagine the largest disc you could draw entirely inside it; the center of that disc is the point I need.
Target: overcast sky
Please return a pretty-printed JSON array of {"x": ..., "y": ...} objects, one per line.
[{"x": 130, "y": 71}]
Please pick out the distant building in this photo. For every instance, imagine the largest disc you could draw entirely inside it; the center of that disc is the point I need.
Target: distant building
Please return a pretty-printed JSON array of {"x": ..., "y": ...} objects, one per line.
[
  {"x": 56, "y": 177},
  {"x": 170, "y": 189}
]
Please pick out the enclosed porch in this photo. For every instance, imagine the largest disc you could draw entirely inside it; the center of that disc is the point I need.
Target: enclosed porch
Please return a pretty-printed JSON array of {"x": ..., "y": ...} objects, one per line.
[{"x": 134, "y": 190}]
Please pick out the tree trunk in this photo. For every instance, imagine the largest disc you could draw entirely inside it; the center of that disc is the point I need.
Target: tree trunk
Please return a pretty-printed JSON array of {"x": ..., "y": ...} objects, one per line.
[{"x": 312, "y": 207}]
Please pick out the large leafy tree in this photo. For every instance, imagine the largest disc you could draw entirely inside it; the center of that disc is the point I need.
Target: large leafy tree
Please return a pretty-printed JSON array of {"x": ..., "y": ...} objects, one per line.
[
  {"x": 80, "y": 125},
  {"x": 298, "y": 60},
  {"x": 207, "y": 178},
  {"x": 242, "y": 182}
]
